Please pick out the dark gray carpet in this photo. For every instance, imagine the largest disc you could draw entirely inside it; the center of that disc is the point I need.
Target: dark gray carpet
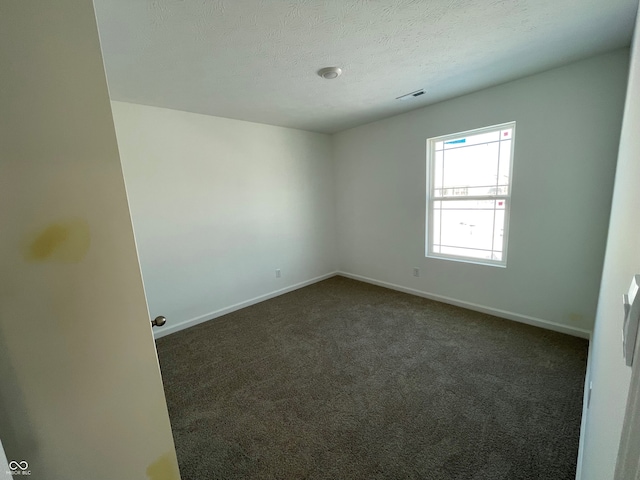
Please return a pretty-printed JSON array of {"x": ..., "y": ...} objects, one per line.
[{"x": 345, "y": 380}]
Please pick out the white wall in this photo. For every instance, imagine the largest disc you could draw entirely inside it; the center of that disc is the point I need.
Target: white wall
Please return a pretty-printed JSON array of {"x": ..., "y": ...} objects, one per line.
[
  {"x": 609, "y": 374},
  {"x": 568, "y": 124},
  {"x": 5, "y": 473},
  {"x": 218, "y": 205}
]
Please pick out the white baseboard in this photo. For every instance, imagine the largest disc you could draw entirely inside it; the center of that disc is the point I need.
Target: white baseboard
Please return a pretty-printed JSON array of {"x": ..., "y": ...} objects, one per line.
[
  {"x": 577, "y": 332},
  {"x": 169, "y": 329},
  {"x": 538, "y": 322}
]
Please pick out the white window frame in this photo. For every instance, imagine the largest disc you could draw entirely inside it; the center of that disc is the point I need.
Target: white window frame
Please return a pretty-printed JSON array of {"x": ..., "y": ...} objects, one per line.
[{"x": 431, "y": 147}]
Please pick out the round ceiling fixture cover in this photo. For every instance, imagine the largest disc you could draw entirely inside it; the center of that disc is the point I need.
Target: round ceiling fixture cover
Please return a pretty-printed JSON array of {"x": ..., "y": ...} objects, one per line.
[{"x": 329, "y": 73}]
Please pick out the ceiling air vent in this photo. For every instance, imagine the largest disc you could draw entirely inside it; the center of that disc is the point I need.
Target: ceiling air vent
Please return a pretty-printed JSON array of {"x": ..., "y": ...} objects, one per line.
[{"x": 411, "y": 95}]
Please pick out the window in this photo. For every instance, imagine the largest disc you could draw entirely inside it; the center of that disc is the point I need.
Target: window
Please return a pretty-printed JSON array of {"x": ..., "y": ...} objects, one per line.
[{"x": 469, "y": 194}]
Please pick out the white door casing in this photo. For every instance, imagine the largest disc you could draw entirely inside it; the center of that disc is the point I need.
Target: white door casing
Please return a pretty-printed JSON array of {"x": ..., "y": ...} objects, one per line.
[{"x": 628, "y": 461}]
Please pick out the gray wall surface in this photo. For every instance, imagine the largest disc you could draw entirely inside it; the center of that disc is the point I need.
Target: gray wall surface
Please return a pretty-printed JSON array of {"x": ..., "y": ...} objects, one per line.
[{"x": 568, "y": 125}]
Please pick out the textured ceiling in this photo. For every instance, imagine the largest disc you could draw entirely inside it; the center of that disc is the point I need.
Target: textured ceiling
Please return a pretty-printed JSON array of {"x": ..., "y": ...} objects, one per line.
[{"x": 256, "y": 60}]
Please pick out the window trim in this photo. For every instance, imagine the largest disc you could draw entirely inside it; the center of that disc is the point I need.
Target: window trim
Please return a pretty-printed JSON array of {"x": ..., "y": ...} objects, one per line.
[{"x": 430, "y": 183}]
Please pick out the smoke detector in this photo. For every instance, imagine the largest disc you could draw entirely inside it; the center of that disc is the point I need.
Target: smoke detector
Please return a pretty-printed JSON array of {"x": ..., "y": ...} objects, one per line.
[{"x": 329, "y": 73}]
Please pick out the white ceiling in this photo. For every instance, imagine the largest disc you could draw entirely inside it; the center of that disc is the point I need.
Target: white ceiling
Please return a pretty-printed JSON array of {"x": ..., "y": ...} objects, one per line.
[{"x": 256, "y": 60}]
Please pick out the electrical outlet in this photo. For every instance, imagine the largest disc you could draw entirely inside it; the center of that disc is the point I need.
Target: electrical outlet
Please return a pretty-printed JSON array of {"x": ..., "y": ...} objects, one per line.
[
  {"x": 278, "y": 273},
  {"x": 416, "y": 272}
]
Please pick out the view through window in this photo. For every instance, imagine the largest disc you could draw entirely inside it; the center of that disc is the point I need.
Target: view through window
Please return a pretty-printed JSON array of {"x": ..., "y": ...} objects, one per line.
[{"x": 469, "y": 193}]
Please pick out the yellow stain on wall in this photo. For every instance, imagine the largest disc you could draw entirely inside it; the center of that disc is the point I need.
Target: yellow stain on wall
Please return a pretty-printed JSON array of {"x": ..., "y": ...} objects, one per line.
[
  {"x": 164, "y": 468},
  {"x": 63, "y": 242},
  {"x": 575, "y": 317}
]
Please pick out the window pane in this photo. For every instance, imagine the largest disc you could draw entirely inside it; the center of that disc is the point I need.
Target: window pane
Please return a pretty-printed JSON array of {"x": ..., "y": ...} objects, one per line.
[
  {"x": 436, "y": 226},
  {"x": 471, "y": 140},
  {"x": 471, "y": 166},
  {"x": 497, "y": 190},
  {"x": 468, "y": 204},
  {"x": 468, "y": 252},
  {"x": 498, "y": 231},
  {"x": 437, "y": 170},
  {"x": 505, "y": 163},
  {"x": 467, "y": 228},
  {"x": 476, "y": 226}
]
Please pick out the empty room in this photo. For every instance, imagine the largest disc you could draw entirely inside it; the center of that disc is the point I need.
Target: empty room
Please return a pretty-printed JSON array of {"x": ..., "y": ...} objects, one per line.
[{"x": 319, "y": 239}]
